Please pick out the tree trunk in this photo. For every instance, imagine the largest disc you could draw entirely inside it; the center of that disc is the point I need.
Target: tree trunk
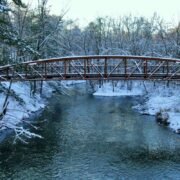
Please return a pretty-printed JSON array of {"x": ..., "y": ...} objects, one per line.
[{"x": 6, "y": 102}]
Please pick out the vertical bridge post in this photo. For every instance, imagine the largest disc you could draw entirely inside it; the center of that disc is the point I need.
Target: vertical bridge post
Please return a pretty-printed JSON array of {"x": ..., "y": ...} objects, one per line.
[
  {"x": 167, "y": 73},
  {"x": 65, "y": 71},
  {"x": 105, "y": 67},
  {"x": 7, "y": 73},
  {"x": 84, "y": 68},
  {"x": 145, "y": 68},
  {"x": 45, "y": 69},
  {"x": 125, "y": 67}
]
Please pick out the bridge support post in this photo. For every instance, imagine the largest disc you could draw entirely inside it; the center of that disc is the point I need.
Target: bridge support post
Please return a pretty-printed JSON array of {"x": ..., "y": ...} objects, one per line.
[
  {"x": 145, "y": 69},
  {"x": 45, "y": 69},
  {"x": 85, "y": 68},
  {"x": 7, "y": 73},
  {"x": 125, "y": 67},
  {"x": 105, "y": 68},
  {"x": 167, "y": 73},
  {"x": 65, "y": 65},
  {"x": 26, "y": 71}
]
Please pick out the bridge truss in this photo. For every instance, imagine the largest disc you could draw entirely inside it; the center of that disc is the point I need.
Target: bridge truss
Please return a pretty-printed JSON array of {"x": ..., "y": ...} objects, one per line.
[{"x": 94, "y": 68}]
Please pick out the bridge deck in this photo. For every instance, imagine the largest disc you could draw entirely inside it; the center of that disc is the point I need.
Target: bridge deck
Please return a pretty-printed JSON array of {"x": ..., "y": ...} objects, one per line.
[{"x": 94, "y": 68}]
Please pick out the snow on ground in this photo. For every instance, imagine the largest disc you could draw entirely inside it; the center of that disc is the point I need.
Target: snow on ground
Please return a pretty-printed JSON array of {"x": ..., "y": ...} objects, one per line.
[
  {"x": 69, "y": 83},
  {"x": 156, "y": 97},
  {"x": 119, "y": 90},
  {"x": 24, "y": 103},
  {"x": 174, "y": 121}
]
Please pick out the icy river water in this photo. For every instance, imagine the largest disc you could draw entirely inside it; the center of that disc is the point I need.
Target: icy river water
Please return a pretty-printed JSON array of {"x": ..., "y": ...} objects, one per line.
[{"x": 88, "y": 137}]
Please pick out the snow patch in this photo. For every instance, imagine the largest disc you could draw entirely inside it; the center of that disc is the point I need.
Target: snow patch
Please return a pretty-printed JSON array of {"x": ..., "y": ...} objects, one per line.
[
  {"x": 17, "y": 110},
  {"x": 72, "y": 82},
  {"x": 174, "y": 121},
  {"x": 119, "y": 90}
]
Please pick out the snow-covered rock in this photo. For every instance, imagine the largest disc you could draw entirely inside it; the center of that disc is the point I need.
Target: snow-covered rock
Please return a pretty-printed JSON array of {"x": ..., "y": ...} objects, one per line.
[{"x": 162, "y": 118}]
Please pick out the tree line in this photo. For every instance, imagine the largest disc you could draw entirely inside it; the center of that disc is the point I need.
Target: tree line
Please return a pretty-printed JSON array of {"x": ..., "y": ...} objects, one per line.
[{"x": 27, "y": 34}]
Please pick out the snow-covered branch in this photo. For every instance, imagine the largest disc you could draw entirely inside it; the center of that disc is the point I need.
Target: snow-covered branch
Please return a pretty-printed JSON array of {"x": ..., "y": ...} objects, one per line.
[{"x": 4, "y": 8}]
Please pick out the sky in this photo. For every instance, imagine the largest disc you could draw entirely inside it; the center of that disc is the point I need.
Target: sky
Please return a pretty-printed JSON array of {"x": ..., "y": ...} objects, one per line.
[{"x": 85, "y": 11}]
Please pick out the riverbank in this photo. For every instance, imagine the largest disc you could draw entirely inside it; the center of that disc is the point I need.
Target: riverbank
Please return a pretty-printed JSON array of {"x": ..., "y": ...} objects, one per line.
[
  {"x": 155, "y": 97},
  {"x": 23, "y": 104}
]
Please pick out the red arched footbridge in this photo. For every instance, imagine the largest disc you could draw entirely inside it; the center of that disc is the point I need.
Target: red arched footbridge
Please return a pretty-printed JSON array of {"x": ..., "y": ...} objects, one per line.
[{"x": 103, "y": 67}]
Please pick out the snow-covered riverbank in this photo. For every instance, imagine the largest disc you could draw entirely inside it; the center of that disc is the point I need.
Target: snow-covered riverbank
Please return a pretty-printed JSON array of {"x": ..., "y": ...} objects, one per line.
[
  {"x": 156, "y": 97},
  {"x": 23, "y": 103}
]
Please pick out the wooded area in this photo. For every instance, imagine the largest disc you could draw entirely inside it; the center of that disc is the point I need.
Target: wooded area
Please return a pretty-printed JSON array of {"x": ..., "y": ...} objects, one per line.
[{"x": 30, "y": 34}]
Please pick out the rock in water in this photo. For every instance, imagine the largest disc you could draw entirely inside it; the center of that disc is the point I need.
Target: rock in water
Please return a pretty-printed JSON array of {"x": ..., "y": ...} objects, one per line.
[
  {"x": 178, "y": 131},
  {"x": 162, "y": 118}
]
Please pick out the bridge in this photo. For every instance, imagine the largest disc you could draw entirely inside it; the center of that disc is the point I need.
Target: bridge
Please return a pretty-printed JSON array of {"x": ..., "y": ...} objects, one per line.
[{"x": 102, "y": 67}]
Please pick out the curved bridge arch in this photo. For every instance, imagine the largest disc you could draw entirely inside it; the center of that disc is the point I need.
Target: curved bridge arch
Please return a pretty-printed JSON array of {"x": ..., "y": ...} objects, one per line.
[{"x": 102, "y": 67}]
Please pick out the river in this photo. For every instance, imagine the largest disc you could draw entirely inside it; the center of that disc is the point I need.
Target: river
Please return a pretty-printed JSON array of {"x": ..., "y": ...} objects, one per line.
[{"x": 88, "y": 137}]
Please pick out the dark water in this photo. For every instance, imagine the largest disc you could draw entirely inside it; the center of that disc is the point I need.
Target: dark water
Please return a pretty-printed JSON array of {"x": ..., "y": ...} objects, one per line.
[{"x": 88, "y": 137}]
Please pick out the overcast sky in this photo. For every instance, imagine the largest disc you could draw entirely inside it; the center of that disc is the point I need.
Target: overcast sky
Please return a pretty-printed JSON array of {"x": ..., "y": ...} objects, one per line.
[{"x": 86, "y": 10}]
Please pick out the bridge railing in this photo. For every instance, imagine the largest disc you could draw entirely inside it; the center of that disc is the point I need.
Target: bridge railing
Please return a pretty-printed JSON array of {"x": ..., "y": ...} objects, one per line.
[{"x": 94, "y": 67}]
